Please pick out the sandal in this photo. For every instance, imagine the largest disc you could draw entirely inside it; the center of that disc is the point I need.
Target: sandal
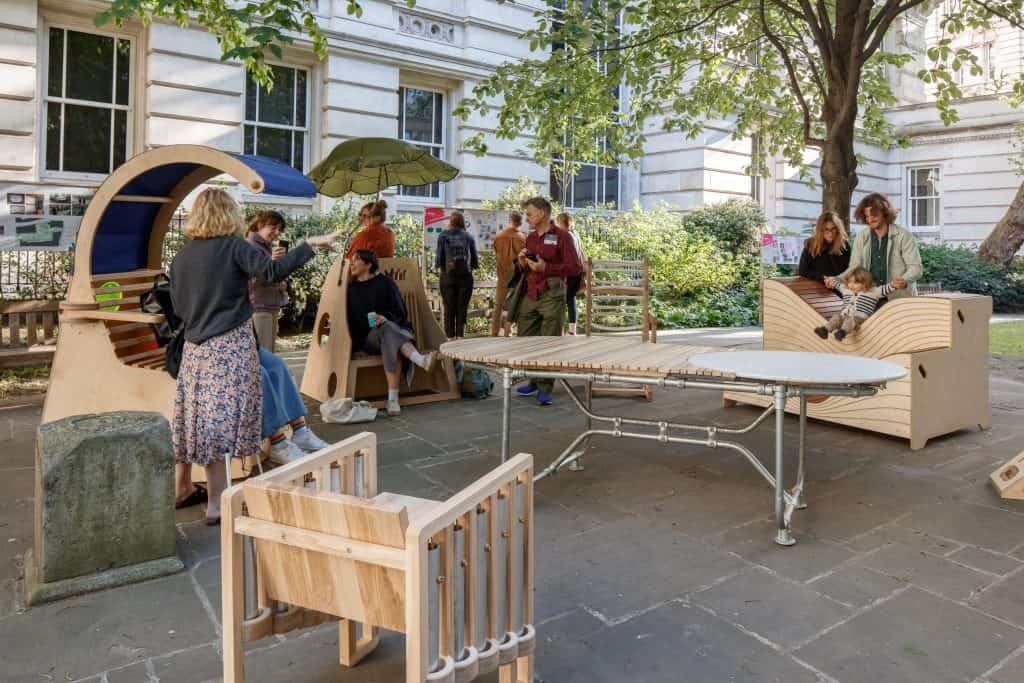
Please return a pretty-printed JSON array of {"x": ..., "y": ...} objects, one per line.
[
  {"x": 213, "y": 521},
  {"x": 197, "y": 496}
]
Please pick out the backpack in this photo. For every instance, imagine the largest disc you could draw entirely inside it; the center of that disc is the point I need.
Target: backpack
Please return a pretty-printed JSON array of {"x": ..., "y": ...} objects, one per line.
[
  {"x": 473, "y": 382},
  {"x": 456, "y": 252},
  {"x": 171, "y": 332}
]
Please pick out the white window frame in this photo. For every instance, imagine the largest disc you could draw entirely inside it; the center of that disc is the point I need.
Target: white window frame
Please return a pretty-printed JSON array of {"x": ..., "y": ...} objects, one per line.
[
  {"x": 442, "y": 146},
  {"x": 257, "y": 124},
  {"x": 911, "y": 198},
  {"x": 599, "y": 204},
  {"x": 45, "y": 99}
]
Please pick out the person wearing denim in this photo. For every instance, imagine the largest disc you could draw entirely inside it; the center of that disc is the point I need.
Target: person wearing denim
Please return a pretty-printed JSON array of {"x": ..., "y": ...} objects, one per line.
[{"x": 283, "y": 407}]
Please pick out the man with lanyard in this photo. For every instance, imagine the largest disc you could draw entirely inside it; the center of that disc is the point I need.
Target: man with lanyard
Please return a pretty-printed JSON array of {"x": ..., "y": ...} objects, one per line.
[
  {"x": 548, "y": 258},
  {"x": 887, "y": 250}
]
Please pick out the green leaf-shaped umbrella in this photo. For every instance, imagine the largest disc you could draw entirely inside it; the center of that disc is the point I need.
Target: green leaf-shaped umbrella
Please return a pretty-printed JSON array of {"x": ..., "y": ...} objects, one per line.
[{"x": 368, "y": 165}]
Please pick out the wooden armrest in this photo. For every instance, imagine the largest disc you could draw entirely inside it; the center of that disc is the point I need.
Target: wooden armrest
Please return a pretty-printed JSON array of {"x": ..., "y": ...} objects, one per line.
[
  {"x": 448, "y": 512},
  {"x": 116, "y": 316}
]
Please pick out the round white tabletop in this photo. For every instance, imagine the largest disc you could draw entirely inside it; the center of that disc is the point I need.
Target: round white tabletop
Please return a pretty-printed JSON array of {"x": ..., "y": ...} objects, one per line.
[{"x": 798, "y": 367}]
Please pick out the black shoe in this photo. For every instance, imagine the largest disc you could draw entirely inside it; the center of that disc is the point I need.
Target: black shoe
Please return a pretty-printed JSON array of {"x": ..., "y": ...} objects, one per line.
[
  {"x": 840, "y": 335},
  {"x": 821, "y": 332}
]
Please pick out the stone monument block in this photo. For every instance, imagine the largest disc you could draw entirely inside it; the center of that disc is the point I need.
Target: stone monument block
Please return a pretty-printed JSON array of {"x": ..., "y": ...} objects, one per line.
[{"x": 104, "y": 504}]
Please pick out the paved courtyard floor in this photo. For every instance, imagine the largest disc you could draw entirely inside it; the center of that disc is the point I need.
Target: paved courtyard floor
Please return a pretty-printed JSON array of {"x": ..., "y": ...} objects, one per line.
[{"x": 655, "y": 564}]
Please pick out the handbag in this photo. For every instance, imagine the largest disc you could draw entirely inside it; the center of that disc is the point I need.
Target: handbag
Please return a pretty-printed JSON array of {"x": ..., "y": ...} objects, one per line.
[
  {"x": 346, "y": 411},
  {"x": 170, "y": 332}
]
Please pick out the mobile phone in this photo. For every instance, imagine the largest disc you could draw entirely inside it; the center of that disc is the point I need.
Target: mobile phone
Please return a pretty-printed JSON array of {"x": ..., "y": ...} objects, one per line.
[
  {"x": 530, "y": 256},
  {"x": 284, "y": 244}
]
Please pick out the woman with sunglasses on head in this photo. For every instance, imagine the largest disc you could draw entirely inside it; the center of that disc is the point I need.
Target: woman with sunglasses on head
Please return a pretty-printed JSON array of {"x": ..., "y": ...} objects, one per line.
[{"x": 827, "y": 252}]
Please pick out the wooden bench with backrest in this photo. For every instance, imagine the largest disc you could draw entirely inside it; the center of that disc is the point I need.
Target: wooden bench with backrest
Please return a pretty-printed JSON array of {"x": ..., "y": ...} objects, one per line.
[
  {"x": 941, "y": 339},
  {"x": 455, "y": 576},
  {"x": 28, "y": 332},
  {"x": 333, "y": 371},
  {"x": 618, "y": 300}
]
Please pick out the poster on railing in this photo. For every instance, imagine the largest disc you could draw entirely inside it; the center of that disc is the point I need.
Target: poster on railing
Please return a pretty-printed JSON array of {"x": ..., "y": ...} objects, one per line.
[
  {"x": 482, "y": 225},
  {"x": 781, "y": 249},
  {"x": 30, "y": 221}
]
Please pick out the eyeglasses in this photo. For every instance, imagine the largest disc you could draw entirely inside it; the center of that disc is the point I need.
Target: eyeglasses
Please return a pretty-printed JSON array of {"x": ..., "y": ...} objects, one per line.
[{"x": 829, "y": 230}]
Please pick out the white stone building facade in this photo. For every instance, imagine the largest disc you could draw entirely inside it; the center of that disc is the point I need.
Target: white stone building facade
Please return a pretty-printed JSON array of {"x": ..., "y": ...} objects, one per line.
[{"x": 76, "y": 100}]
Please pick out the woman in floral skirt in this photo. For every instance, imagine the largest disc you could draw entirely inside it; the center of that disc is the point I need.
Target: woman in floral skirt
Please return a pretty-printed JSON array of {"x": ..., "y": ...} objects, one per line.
[{"x": 218, "y": 407}]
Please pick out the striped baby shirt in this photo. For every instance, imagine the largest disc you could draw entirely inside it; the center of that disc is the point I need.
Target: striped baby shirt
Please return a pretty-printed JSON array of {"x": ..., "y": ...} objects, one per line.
[{"x": 862, "y": 304}]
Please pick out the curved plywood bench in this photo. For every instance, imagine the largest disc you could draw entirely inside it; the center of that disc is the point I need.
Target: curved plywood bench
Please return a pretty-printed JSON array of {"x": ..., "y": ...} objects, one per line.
[
  {"x": 332, "y": 371},
  {"x": 942, "y": 340},
  {"x": 107, "y": 358}
]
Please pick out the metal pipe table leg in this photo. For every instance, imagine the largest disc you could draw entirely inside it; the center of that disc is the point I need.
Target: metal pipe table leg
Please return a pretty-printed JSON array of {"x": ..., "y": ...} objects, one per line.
[
  {"x": 782, "y": 536},
  {"x": 798, "y": 490},
  {"x": 506, "y": 413},
  {"x": 577, "y": 464}
]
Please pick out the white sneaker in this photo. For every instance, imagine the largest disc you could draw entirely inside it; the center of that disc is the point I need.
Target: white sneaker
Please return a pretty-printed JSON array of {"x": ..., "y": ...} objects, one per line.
[
  {"x": 393, "y": 408},
  {"x": 429, "y": 360},
  {"x": 285, "y": 452},
  {"x": 305, "y": 439}
]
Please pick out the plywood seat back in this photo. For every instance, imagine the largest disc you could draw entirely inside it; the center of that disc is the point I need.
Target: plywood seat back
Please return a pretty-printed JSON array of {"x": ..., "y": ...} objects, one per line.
[
  {"x": 134, "y": 343},
  {"x": 332, "y": 369},
  {"x": 815, "y": 294}
]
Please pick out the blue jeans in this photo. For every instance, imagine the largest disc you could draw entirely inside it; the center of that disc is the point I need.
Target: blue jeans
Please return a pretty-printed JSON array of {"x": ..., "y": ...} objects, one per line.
[{"x": 282, "y": 402}]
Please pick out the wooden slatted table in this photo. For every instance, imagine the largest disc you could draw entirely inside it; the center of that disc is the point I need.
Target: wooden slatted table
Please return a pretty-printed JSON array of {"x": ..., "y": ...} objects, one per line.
[{"x": 610, "y": 360}]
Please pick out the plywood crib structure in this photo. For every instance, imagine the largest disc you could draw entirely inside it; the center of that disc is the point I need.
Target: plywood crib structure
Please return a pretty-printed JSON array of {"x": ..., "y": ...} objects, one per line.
[
  {"x": 1008, "y": 480},
  {"x": 942, "y": 340},
  {"x": 618, "y": 299},
  {"x": 455, "y": 576},
  {"x": 107, "y": 357},
  {"x": 333, "y": 372}
]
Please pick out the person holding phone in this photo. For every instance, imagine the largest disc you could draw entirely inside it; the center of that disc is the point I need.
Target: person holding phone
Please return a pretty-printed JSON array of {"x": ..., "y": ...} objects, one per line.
[{"x": 267, "y": 298}]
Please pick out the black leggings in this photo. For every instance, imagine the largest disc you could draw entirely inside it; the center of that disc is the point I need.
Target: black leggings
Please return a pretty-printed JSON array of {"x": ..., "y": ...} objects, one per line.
[
  {"x": 572, "y": 287},
  {"x": 456, "y": 291}
]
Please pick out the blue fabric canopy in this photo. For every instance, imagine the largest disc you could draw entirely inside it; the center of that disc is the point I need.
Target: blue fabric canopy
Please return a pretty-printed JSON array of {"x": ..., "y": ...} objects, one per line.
[{"x": 121, "y": 243}]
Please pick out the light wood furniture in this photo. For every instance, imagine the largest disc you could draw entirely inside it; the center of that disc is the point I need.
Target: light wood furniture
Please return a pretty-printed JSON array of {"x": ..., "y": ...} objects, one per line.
[
  {"x": 941, "y": 339},
  {"x": 28, "y": 333},
  {"x": 1008, "y": 480},
  {"x": 332, "y": 371},
  {"x": 455, "y": 576},
  {"x": 618, "y": 299},
  {"x": 107, "y": 358}
]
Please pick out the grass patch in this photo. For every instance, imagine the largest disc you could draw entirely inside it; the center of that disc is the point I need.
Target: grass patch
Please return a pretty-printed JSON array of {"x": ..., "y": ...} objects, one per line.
[
  {"x": 23, "y": 381},
  {"x": 1007, "y": 338}
]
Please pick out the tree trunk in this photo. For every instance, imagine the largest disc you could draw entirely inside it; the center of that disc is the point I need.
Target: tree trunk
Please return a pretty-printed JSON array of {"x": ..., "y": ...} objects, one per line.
[
  {"x": 1007, "y": 237},
  {"x": 838, "y": 170}
]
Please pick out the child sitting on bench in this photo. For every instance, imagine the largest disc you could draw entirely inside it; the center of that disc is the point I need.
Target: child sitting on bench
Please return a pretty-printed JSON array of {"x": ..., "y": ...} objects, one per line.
[{"x": 860, "y": 299}]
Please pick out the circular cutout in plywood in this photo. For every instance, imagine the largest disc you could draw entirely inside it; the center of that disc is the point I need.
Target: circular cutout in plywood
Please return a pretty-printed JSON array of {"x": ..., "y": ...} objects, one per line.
[
  {"x": 332, "y": 384},
  {"x": 323, "y": 330}
]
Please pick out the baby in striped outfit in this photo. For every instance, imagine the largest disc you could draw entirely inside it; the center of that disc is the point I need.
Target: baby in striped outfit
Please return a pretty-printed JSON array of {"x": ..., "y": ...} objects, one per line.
[{"x": 860, "y": 300}]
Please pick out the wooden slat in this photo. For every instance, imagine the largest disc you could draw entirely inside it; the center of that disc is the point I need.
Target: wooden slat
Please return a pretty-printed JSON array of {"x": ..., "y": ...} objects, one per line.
[
  {"x": 141, "y": 198},
  {"x": 31, "y": 329},
  {"x": 49, "y": 320},
  {"x": 14, "y": 328},
  {"x": 129, "y": 275},
  {"x": 28, "y": 306},
  {"x": 117, "y": 316}
]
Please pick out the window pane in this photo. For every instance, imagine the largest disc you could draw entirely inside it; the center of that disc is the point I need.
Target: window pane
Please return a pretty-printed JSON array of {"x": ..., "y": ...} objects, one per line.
[
  {"x": 300, "y": 98},
  {"x": 419, "y": 115},
  {"x": 277, "y": 105},
  {"x": 53, "y": 136},
  {"x": 250, "y": 97},
  {"x": 275, "y": 143},
  {"x": 86, "y": 153},
  {"x": 124, "y": 62},
  {"x": 584, "y": 187},
  {"x": 438, "y": 118},
  {"x": 120, "y": 136},
  {"x": 611, "y": 187},
  {"x": 299, "y": 153},
  {"x": 55, "y": 75},
  {"x": 556, "y": 184},
  {"x": 249, "y": 140},
  {"x": 90, "y": 67}
]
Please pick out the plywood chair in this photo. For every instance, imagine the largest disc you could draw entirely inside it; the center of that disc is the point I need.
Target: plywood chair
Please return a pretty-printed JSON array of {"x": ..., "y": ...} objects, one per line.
[
  {"x": 333, "y": 372},
  {"x": 619, "y": 300},
  {"x": 1009, "y": 478},
  {"x": 941, "y": 339},
  {"x": 107, "y": 358},
  {"x": 455, "y": 576}
]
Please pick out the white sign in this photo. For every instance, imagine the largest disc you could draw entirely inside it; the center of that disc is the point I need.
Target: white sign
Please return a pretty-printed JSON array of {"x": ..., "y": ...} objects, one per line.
[
  {"x": 38, "y": 233},
  {"x": 482, "y": 224},
  {"x": 781, "y": 249}
]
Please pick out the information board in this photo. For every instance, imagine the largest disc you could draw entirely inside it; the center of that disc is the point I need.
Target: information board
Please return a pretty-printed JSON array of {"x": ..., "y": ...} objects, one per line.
[{"x": 482, "y": 224}]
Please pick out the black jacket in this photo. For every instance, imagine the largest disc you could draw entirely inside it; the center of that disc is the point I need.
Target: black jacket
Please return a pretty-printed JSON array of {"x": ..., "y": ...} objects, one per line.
[
  {"x": 380, "y": 295},
  {"x": 817, "y": 267}
]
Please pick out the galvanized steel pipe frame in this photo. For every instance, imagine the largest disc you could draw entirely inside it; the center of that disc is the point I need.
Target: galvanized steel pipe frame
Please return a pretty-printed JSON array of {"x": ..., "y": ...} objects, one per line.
[{"x": 785, "y": 501}]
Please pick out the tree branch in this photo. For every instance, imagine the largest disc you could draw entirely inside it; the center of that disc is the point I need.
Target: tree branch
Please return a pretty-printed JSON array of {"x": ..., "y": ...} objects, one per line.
[
  {"x": 810, "y": 60},
  {"x": 793, "y": 80},
  {"x": 651, "y": 39},
  {"x": 879, "y": 26},
  {"x": 1016, "y": 23}
]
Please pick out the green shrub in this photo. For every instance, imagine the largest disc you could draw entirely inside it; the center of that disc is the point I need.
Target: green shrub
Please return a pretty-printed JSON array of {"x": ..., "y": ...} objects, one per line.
[
  {"x": 959, "y": 270},
  {"x": 736, "y": 224}
]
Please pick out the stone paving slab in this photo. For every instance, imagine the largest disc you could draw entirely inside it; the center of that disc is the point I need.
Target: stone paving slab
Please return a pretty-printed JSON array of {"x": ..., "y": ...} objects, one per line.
[{"x": 653, "y": 564}]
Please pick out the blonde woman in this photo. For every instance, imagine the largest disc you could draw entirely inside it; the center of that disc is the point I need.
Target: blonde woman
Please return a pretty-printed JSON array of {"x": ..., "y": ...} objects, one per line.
[
  {"x": 219, "y": 402},
  {"x": 827, "y": 252}
]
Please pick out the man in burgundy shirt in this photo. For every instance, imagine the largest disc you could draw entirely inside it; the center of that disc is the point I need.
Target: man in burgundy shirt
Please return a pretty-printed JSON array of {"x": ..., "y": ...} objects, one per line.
[{"x": 548, "y": 259}]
